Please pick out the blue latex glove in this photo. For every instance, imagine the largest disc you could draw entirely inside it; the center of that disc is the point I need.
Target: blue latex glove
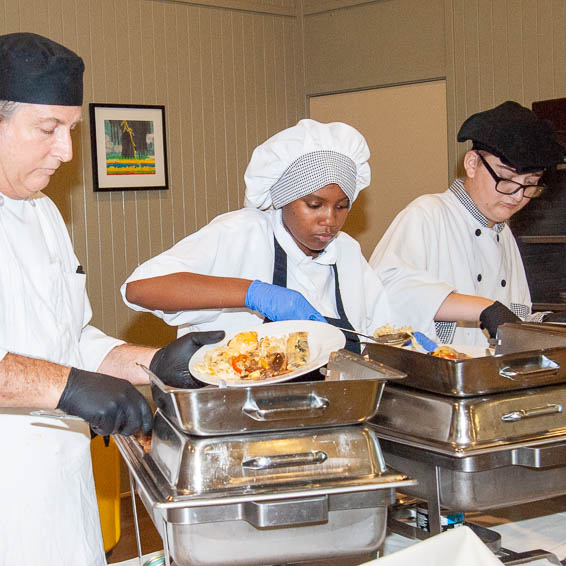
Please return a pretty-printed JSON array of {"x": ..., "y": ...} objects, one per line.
[
  {"x": 424, "y": 341},
  {"x": 280, "y": 303}
]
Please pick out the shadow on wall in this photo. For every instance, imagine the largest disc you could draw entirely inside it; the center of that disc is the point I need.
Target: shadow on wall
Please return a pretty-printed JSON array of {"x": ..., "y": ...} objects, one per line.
[
  {"x": 149, "y": 330},
  {"x": 357, "y": 223}
]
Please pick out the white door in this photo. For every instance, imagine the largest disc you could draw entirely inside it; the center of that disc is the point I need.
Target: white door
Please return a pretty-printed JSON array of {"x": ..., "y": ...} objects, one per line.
[{"x": 405, "y": 127}]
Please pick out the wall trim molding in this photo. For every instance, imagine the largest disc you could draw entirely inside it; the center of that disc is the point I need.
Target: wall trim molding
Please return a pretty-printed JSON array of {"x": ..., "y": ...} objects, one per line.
[
  {"x": 310, "y": 95},
  {"x": 276, "y": 7},
  {"x": 312, "y": 7}
]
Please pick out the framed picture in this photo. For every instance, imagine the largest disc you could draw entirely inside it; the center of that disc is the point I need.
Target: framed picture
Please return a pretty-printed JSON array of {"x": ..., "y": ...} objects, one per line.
[{"x": 128, "y": 147}]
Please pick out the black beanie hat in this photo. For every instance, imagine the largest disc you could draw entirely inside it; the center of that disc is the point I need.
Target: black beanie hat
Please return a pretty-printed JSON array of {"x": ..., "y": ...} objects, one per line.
[
  {"x": 36, "y": 70},
  {"x": 515, "y": 135}
]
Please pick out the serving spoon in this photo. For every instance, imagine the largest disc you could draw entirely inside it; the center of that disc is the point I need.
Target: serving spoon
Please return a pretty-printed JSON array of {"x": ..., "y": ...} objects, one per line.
[
  {"x": 397, "y": 338},
  {"x": 393, "y": 339}
]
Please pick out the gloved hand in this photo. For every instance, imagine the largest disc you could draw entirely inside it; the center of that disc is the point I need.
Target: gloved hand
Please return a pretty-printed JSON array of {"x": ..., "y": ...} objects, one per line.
[
  {"x": 171, "y": 364},
  {"x": 495, "y": 315},
  {"x": 559, "y": 316},
  {"x": 280, "y": 303},
  {"x": 110, "y": 405}
]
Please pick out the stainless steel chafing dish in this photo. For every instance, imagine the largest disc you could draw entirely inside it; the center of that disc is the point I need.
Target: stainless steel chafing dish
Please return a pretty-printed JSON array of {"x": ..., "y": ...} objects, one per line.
[
  {"x": 477, "y": 453},
  {"x": 303, "y": 488},
  {"x": 349, "y": 394},
  {"x": 482, "y": 437},
  {"x": 535, "y": 356}
]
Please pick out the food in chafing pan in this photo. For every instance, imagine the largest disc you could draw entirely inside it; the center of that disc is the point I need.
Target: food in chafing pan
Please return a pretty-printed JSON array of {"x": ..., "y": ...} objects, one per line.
[
  {"x": 449, "y": 353},
  {"x": 248, "y": 357},
  {"x": 144, "y": 440}
]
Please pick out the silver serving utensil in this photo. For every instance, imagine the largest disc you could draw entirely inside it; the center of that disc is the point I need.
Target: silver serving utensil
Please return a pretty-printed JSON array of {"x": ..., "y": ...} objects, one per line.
[
  {"x": 54, "y": 414},
  {"x": 393, "y": 339}
]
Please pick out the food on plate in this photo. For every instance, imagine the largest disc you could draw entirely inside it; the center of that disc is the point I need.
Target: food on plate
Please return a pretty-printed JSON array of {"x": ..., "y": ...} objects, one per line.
[
  {"x": 246, "y": 356},
  {"x": 297, "y": 350},
  {"x": 449, "y": 353},
  {"x": 388, "y": 329}
]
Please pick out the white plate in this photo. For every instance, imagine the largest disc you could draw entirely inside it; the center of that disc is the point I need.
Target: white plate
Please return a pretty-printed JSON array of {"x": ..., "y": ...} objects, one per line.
[{"x": 323, "y": 339}]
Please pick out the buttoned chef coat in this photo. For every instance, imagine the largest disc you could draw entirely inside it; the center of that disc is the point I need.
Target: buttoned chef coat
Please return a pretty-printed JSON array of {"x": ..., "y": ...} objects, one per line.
[
  {"x": 240, "y": 244},
  {"x": 48, "y": 501},
  {"x": 441, "y": 243}
]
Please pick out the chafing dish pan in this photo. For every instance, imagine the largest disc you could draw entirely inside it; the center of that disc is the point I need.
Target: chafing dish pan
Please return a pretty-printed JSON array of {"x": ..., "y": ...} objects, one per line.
[
  {"x": 475, "y": 376},
  {"x": 265, "y": 498},
  {"x": 349, "y": 394},
  {"x": 518, "y": 337},
  {"x": 474, "y": 425},
  {"x": 477, "y": 453}
]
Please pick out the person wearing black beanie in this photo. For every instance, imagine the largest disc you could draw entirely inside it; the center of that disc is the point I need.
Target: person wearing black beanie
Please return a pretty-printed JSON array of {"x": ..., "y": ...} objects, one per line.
[
  {"x": 50, "y": 356},
  {"x": 449, "y": 262}
]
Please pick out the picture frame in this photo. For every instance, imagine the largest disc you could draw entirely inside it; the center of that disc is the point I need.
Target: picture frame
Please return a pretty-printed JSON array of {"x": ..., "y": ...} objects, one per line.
[{"x": 128, "y": 147}]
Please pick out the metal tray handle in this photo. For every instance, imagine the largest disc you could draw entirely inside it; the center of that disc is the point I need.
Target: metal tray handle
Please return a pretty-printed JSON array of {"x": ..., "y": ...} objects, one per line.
[
  {"x": 310, "y": 406},
  {"x": 287, "y": 512},
  {"x": 544, "y": 366},
  {"x": 513, "y": 416},
  {"x": 285, "y": 460},
  {"x": 546, "y": 456}
]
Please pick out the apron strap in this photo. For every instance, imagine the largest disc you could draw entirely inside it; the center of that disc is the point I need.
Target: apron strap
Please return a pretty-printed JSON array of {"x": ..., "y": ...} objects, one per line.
[
  {"x": 280, "y": 265},
  {"x": 280, "y": 278}
]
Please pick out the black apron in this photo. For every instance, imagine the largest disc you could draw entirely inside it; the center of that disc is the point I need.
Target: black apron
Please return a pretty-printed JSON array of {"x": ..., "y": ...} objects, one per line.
[{"x": 280, "y": 278}]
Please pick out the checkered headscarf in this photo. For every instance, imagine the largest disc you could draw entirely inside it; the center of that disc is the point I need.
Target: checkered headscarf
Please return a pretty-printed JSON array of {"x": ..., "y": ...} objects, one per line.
[{"x": 304, "y": 158}]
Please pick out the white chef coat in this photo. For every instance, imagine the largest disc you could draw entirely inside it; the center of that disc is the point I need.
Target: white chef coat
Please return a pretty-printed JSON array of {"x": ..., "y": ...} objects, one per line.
[
  {"x": 441, "y": 243},
  {"x": 49, "y": 510},
  {"x": 240, "y": 244}
]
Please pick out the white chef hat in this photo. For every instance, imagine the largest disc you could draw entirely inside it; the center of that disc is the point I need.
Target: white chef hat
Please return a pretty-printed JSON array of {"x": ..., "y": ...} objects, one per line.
[{"x": 304, "y": 158}]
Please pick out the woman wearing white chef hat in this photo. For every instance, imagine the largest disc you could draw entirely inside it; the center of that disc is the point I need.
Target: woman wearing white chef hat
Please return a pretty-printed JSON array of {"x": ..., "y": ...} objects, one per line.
[{"x": 283, "y": 256}]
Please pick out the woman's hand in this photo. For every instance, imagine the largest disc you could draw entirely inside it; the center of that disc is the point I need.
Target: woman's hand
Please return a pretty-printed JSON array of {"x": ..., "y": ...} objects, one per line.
[{"x": 280, "y": 303}]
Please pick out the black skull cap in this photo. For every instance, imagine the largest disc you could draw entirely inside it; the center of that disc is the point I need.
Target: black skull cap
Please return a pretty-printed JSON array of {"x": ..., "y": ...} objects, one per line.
[
  {"x": 37, "y": 70},
  {"x": 515, "y": 135}
]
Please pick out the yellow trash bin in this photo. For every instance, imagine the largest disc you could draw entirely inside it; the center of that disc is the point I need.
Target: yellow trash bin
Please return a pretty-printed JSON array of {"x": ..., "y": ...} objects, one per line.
[{"x": 106, "y": 470}]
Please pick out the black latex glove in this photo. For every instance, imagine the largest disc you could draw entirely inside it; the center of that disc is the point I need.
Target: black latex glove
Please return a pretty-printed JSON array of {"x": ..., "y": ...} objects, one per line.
[
  {"x": 110, "y": 405},
  {"x": 171, "y": 364},
  {"x": 494, "y": 316},
  {"x": 555, "y": 317}
]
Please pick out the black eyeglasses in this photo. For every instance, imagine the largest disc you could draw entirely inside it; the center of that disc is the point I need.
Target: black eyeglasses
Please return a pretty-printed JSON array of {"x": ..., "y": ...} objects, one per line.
[{"x": 508, "y": 187}]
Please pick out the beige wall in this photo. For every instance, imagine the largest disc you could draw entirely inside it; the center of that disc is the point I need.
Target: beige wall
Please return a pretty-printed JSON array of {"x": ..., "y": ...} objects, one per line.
[
  {"x": 228, "y": 78},
  {"x": 232, "y": 72},
  {"x": 379, "y": 43},
  {"x": 488, "y": 51},
  {"x": 498, "y": 50},
  {"x": 405, "y": 127}
]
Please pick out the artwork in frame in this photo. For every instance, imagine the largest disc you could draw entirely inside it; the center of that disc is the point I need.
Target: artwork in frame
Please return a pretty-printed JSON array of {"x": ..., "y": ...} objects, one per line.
[{"x": 128, "y": 147}]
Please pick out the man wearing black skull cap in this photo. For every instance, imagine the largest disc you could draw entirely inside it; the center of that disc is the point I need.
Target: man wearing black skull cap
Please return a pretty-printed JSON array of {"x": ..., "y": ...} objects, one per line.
[
  {"x": 50, "y": 356},
  {"x": 449, "y": 261}
]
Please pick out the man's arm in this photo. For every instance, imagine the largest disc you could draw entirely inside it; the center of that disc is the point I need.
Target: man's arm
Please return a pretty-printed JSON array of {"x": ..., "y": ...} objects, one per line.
[
  {"x": 122, "y": 361},
  {"x": 30, "y": 382},
  {"x": 491, "y": 314},
  {"x": 109, "y": 405},
  {"x": 459, "y": 307}
]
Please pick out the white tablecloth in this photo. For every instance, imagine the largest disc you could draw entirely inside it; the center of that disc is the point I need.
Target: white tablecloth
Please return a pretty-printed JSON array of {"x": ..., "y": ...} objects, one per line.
[{"x": 538, "y": 525}]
